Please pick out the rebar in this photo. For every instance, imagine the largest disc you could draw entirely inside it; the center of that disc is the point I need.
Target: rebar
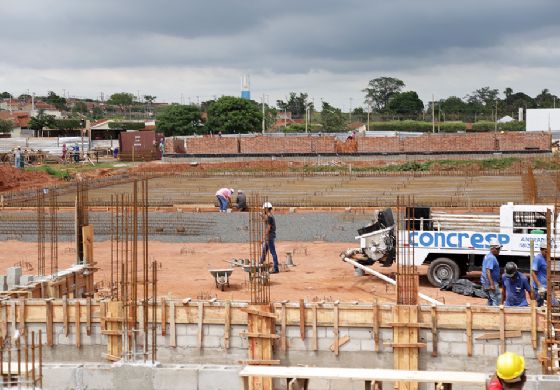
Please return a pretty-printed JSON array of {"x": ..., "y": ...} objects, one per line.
[
  {"x": 259, "y": 277},
  {"x": 407, "y": 273}
]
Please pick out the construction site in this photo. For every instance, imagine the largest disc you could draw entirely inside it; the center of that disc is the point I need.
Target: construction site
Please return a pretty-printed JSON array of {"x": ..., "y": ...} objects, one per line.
[{"x": 131, "y": 278}]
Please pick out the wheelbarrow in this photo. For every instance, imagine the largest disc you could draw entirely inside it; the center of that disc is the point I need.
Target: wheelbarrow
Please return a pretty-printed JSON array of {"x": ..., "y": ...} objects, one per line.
[
  {"x": 221, "y": 277},
  {"x": 257, "y": 271}
]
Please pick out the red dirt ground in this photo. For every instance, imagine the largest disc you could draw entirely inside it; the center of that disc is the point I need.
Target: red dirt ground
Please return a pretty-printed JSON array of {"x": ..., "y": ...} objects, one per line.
[
  {"x": 12, "y": 178},
  {"x": 319, "y": 273}
]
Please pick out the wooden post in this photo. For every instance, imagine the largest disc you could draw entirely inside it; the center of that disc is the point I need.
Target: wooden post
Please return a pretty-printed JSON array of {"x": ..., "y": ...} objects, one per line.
[
  {"x": 88, "y": 325},
  {"x": 375, "y": 329},
  {"x": 302, "y": 319},
  {"x": 3, "y": 320},
  {"x": 78, "y": 324},
  {"x": 534, "y": 323},
  {"x": 65, "y": 315},
  {"x": 200, "y": 323},
  {"x": 315, "y": 345},
  {"x": 468, "y": 321},
  {"x": 227, "y": 325},
  {"x": 172, "y": 326},
  {"x": 87, "y": 243},
  {"x": 502, "y": 329},
  {"x": 434, "y": 331},
  {"x": 260, "y": 331},
  {"x": 13, "y": 316},
  {"x": 49, "y": 323},
  {"x": 335, "y": 328},
  {"x": 283, "y": 341},
  {"x": 21, "y": 316},
  {"x": 163, "y": 317}
]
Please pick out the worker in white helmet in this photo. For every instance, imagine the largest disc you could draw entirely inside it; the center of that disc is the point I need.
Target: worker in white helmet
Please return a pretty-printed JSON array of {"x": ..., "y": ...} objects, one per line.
[{"x": 269, "y": 237}]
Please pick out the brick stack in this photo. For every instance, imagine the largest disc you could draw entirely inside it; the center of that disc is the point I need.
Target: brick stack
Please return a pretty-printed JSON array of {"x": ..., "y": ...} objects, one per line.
[{"x": 212, "y": 145}]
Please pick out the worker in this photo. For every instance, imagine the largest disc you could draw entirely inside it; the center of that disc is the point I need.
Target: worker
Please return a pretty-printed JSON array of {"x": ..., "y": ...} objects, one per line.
[
  {"x": 241, "y": 201},
  {"x": 76, "y": 153},
  {"x": 269, "y": 237},
  {"x": 224, "y": 198},
  {"x": 515, "y": 285},
  {"x": 538, "y": 274},
  {"x": 490, "y": 277},
  {"x": 64, "y": 151},
  {"x": 17, "y": 157},
  {"x": 510, "y": 373}
]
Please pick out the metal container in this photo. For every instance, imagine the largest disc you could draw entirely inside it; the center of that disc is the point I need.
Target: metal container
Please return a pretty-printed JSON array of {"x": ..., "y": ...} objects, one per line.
[{"x": 139, "y": 145}]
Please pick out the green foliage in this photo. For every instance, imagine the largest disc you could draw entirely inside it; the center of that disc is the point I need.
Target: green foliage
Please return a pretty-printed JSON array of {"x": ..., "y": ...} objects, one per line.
[
  {"x": 380, "y": 91},
  {"x": 498, "y": 163},
  {"x": 67, "y": 124},
  {"x": 55, "y": 100},
  {"x": 121, "y": 99},
  {"x": 231, "y": 115},
  {"x": 407, "y": 125},
  {"x": 6, "y": 126},
  {"x": 42, "y": 120},
  {"x": 80, "y": 107},
  {"x": 295, "y": 128},
  {"x": 296, "y": 105},
  {"x": 482, "y": 126},
  {"x": 179, "y": 120},
  {"x": 5, "y": 95},
  {"x": 332, "y": 118},
  {"x": 452, "y": 127},
  {"x": 406, "y": 103},
  {"x": 59, "y": 173},
  {"x": 122, "y": 125}
]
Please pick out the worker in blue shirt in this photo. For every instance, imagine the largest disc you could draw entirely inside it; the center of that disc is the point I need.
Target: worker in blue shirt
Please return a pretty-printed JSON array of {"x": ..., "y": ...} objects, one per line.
[
  {"x": 538, "y": 274},
  {"x": 490, "y": 277},
  {"x": 515, "y": 286}
]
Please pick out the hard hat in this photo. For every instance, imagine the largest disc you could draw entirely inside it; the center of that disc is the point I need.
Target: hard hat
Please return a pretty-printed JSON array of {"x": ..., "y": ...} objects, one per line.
[
  {"x": 544, "y": 245},
  {"x": 511, "y": 269},
  {"x": 231, "y": 190},
  {"x": 239, "y": 191},
  {"x": 510, "y": 366},
  {"x": 494, "y": 243},
  {"x": 267, "y": 205}
]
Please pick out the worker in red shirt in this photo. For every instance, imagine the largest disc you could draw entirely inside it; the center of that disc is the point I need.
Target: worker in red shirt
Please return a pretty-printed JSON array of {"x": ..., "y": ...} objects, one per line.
[{"x": 510, "y": 373}]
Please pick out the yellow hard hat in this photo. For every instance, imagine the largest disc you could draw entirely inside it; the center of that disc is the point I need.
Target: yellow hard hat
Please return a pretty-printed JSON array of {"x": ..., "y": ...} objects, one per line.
[{"x": 510, "y": 366}]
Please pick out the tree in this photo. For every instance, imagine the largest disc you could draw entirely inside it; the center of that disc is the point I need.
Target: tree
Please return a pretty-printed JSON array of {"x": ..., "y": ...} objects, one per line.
[
  {"x": 231, "y": 114},
  {"x": 295, "y": 104},
  {"x": 484, "y": 98},
  {"x": 545, "y": 99},
  {"x": 42, "y": 120},
  {"x": 55, "y": 100},
  {"x": 406, "y": 103},
  {"x": 179, "y": 119},
  {"x": 80, "y": 107},
  {"x": 6, "y": 126},
  {"x": 332, "y": 118},
  {"x": 5, "y": 95},
  {"x": 121, "y": 99},
  {"x": 380, "y": 91}
]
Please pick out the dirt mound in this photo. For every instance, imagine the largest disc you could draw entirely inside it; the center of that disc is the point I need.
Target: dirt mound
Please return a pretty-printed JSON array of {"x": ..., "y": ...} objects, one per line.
[{"x": 12, "y": 178}]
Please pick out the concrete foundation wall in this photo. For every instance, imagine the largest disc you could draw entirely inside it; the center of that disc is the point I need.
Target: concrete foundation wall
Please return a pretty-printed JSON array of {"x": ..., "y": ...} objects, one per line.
[
  {"x": 199, "y": 377},
  {"x": 358, "y": 352}
]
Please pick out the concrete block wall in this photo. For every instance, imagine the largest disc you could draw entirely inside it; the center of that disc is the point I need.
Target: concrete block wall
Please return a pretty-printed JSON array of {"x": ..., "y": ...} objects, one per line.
[{"x": 212, "y": 145}]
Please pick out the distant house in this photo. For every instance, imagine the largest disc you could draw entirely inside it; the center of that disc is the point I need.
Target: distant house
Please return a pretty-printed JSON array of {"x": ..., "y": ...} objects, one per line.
[{"x": 20, "y": 120}]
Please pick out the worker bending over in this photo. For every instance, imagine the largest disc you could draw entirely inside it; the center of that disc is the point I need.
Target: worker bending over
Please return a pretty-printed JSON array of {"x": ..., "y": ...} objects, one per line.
[{"x": 515, "y": 286}]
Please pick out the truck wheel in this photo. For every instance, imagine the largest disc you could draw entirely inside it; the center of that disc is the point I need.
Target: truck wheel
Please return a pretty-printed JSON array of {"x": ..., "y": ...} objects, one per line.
[{"x": 443, "y": 270}]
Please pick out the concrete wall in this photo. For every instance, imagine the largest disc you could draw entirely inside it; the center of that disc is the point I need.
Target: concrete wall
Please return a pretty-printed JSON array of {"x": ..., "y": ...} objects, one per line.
[
  {"x": 441, "y": 142},
  {"x": 198, "y": 377}
]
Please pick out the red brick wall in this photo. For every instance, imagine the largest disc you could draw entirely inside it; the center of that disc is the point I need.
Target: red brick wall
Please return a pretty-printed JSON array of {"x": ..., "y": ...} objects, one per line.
[
  {"x": 260, "y": 144},
  {"x": 212, "y": 145},
  {"x": 378, "y": 144}
]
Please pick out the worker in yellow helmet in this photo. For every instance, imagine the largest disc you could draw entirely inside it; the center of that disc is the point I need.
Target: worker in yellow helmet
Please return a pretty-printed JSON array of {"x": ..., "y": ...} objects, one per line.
[{"x": 510, "y": 373}]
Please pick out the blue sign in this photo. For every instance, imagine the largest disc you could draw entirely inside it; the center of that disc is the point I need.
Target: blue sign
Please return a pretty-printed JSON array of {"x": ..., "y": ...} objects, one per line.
[{"x": 455, "y": 240}]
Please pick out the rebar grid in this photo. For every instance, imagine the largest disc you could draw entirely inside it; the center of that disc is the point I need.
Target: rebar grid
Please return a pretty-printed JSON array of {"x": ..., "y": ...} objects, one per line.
[
  {"x": 40, "y": 200},
  {"x": 551, "y": 365},
  {"x": 28, "y": 370},
  {"x": 259, "y": 272},
  {"x": 82, "y": 218},
  {"x": 53, "y": 213},
  {"x": 407, "y": 272},
  {"x": 129, "y": 221}
]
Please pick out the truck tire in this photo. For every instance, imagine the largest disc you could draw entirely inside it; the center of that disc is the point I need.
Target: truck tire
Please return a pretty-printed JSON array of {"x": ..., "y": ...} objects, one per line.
[{"x": 441, "y": 270}]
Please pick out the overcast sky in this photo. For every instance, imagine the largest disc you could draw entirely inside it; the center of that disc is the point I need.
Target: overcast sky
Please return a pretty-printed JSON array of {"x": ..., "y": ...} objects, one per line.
[{"x": 329, "y": 49}]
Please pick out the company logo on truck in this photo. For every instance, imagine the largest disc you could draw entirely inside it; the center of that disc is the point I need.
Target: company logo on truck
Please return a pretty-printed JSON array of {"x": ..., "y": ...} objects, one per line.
[{"x": 455, "y": 239}]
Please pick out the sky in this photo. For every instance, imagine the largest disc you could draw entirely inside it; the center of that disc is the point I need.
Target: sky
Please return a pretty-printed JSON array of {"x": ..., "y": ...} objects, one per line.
[{"x": 189, "y": 51}]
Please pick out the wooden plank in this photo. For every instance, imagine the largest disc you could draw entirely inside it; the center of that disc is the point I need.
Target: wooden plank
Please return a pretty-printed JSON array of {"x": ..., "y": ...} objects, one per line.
[
  {"x": 283, "y": 340},
  {"x": 302, "y": 319},
  {"x": 87, "y": 243},
  {"x": 65, "y": 315},
  {"x": 88, "y": 319},
  {"x": 49, "y": 323},
  {"x": 335, "y": 329},
  {"x": 259, "y": 335},
  {"x": 172, "y": 325},
  {"x": 534, "y": 324},
  {"x": 78, "y": 324},
  {"x": 502, "y": 329},
  {"x": 315, "y": 342},
  {"x": 498, "y": 335},
  {"x": 468, "y": 322},
  {"x": 102, "y": 314},
  {"x": 341, "y": 341},
  {"x": 200, "y": 323},
  {"x": 227, "y": 324},
  {"x": 257, "y": 362},
  {"x": 13, "y": 316},
  {"x": 259, "y": 313},
  {"x": 433, "y": 313},
  {"x": 406, "y": 345},
  {"x": 21, "y": 316},
  {"x": 3, "y": 320},
  {"x": 375, "y": 326},
  {"x": 163, "y": 317}
]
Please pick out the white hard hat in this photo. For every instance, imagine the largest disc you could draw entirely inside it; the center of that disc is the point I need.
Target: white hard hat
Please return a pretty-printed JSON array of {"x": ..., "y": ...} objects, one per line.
[
  {"x": 232, "y": 190},
  {"x": 544, "y": 245},
  {"x": 267, "y": 205},
  {"x": 240, "y": 191},
  {"x": 494, "y": 243}
]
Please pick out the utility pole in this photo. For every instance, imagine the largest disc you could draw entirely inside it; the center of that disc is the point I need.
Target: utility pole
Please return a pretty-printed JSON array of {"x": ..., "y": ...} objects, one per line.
[
  {"x": 350, "y": 112},
  {"x": 263, "y": 121},
  {"x": 496, "y": 118},
  {"x": 368, "y": 112},
  {"x": 433, "y": 116}
]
